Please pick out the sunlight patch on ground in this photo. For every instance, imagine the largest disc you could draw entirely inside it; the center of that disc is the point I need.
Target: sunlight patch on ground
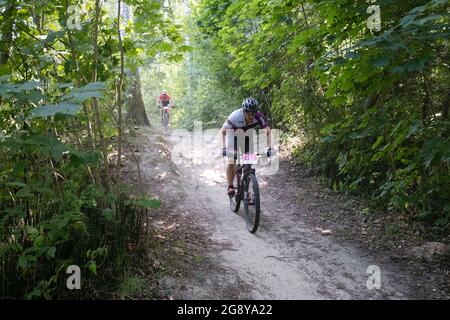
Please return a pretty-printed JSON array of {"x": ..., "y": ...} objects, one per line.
[
  {"x": 262, "y": 183},
  {"x": 163, "y": 175},
  {"x": 211, "y": 177}
]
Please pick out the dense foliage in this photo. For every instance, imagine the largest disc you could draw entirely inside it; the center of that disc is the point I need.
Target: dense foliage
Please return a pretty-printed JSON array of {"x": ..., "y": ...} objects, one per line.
[{"x": 64, "y": 70}]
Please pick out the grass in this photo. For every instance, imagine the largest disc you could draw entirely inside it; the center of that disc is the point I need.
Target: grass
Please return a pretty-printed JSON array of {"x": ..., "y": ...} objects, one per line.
[{"x": 131, "y": 285}]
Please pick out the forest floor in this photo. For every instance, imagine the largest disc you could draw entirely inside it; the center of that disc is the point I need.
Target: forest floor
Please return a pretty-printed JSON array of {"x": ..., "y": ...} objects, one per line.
[{"x": 312, "y": 243}]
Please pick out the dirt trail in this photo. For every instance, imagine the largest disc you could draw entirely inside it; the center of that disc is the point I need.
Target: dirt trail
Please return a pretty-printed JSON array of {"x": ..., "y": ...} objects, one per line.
[{"x": 285, "y": 259}]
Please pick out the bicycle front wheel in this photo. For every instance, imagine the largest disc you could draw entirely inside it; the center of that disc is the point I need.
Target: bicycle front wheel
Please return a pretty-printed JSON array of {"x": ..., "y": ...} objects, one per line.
[
  {"x": 235, "y": 201},
  {"x": 251, "y": 203}
]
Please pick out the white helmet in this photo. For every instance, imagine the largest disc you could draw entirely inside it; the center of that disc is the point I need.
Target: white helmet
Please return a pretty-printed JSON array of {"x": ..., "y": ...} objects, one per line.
[{"x": 164, "y": 92}]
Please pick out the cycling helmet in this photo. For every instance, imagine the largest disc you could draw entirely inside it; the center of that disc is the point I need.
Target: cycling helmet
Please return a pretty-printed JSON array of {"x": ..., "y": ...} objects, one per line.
[
  {"x": 250, "y": 104},
  {"x": 163, "y": 92}
]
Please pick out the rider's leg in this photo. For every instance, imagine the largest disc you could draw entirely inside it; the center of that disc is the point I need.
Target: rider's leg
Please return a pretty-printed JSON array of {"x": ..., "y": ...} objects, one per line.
[
  {"x": 231, "y": 165},
  {"x": 231, "y": 169}
]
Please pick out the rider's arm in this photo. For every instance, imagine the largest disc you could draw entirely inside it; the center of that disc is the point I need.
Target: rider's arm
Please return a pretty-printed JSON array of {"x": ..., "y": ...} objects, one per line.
[
  {"x": 222, "y": 134},
  {"x": 157, "y": 102},
  {"x": 223, "y": 131},
  {"x": 269, "y": 137},
  {"x": 265, "y": 125}
]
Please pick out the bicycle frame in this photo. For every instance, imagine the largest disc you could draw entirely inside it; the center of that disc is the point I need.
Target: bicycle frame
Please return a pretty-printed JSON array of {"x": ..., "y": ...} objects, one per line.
[{"x": 242, "y": 171}]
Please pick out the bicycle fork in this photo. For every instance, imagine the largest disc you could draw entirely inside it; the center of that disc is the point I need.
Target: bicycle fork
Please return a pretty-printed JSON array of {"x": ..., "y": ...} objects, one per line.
[{"x": 244, "y": 185}]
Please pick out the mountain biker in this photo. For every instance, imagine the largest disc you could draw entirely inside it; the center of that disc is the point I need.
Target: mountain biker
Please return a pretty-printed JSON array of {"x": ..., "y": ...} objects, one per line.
[
  {"x": 245, "y": 118},
  {"x": 164, "y": 100}
]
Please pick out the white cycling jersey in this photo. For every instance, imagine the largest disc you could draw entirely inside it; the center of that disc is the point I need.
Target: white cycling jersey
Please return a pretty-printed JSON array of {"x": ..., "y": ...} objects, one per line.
[{"x": 236, "y": 120}]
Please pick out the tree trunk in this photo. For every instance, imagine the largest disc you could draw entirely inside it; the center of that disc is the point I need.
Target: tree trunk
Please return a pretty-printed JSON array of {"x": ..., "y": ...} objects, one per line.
[
  {"x": 136, "y": 108},
  {"x": 7, "y": 32},
  {"x": 94, "y": 173},
  {"x": 95, "y": 102},
  {"x": 427, "y": 106},
  {"x": 120, "y": 86},
  {"x": 79, "y": 82},
  {"x": 371, "y": 100},
  {"x": 445, "y": 107}
]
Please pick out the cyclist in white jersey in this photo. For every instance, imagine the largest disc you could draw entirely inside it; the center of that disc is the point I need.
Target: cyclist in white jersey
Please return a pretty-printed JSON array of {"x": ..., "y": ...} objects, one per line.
[{"x": 245, "y": 118}]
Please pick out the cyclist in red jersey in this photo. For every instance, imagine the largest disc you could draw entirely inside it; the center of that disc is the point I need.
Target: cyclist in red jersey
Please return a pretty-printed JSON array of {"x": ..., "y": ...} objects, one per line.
[{"x": 164, "y": 100}]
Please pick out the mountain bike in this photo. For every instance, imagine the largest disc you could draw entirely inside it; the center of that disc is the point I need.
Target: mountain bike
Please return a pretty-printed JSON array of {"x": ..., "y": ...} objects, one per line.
[
  {"x": 166, "y": 117},
  {"x": 247, "y": 190}
]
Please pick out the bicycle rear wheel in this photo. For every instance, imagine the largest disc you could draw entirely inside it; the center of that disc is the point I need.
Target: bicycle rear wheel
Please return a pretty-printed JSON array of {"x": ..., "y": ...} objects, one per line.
[
  {"x": 251, "y": 203},
  {"x": 165, "y": 120}
]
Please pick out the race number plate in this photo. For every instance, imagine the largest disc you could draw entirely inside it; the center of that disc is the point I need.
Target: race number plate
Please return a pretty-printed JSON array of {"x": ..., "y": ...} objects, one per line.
[{"x": 250, "y": 158}]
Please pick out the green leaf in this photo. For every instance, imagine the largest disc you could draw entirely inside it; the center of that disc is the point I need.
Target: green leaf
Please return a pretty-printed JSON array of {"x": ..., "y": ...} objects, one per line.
[
  {"x": 441, "y": 222},
  {"x": 407, "y": 20},
  {"x": 91, "y": 90},
  {"x": 49, "y": 110},
  {"x": 65, "y": 85},
  {"x": 111, "y": 198},
  {"x": 39, "y": 240},
  {"x": 23, "y": 262},
  {"x": 51, "y": 252},
  {"x": 43, "y": 190},
  {"x": 5, "y": 78},
  {"x": 378, "y": 142},
  {"x": 24, "y": 193},
  {"x": 329, "y": 139},
  {"x": 78, "y": 157},
  {"x": 396, "y": 69},
  {"x": 53, "y": 35},
  {"x": 82, "y": 96},
  {"x": 395, "y": 44},
  {"x": 92, "y": 266},
  {"x": 418, "y": 9},
  {"x": 382, "y": 61},
  {"x": 27, "y": 86},
  {"x": 107, "y": 213},
  {"x": 414, "y": 128},
  {"x": 94, "y": 86},
  {"x": 447, "y": 208},
  {"x": 16, "y": 184},
  {"x": 185, "y": 48},
  {"x": 5, "y": 71},
  {"x": 164, "y": 47},
  {"x": 423, "y": 21}
]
